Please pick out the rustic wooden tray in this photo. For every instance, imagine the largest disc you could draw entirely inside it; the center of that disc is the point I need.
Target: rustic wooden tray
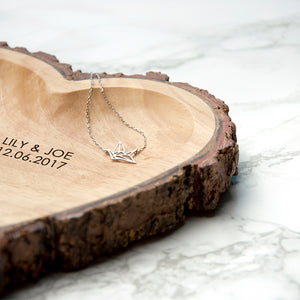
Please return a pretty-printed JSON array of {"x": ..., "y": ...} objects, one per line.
[{"x": 64, "y": 203}]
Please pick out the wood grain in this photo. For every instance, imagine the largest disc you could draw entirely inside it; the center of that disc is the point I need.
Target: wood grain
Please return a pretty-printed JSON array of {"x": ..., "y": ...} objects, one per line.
[{"x": 72, "y": 205}]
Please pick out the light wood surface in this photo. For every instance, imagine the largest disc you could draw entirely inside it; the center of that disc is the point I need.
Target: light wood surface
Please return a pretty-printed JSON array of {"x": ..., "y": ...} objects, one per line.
[
  {"x": 63, "y": 202},
  {"x": 40, "y": 107}
]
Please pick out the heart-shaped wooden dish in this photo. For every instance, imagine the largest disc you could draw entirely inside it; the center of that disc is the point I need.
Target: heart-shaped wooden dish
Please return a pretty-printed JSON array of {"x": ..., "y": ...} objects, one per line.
[{"x": 64, "y": 203}]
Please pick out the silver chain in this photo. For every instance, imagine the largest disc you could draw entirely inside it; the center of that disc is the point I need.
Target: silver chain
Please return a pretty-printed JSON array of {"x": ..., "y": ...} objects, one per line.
[{"x": 134, "y": 152}]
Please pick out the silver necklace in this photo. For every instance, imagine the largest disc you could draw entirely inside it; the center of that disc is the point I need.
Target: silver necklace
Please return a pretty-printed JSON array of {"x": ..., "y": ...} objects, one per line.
[{"x": 119, "y": 153}]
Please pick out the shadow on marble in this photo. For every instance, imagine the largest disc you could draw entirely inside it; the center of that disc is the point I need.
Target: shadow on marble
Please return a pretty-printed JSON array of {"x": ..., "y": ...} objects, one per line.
[{"x": 36, "y": 288}]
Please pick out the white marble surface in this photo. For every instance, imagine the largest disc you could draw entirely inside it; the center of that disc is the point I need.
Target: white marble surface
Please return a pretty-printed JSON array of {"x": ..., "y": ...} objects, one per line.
[{"x": 244, "y": 52}]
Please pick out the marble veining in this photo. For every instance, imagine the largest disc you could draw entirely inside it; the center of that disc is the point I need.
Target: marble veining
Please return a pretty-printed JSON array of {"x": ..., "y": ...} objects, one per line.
[
  {"x": 244, "y": 259},
  {"x": 246, "y": 53}
]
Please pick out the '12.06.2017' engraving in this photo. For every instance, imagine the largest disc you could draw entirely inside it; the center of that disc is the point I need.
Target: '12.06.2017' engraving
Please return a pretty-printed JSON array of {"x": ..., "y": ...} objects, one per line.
[{"x": 31, "y": 153}]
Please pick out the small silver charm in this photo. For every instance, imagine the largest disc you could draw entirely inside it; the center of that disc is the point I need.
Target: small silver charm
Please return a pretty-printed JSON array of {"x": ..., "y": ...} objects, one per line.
[{"x": 119, "y": 154}]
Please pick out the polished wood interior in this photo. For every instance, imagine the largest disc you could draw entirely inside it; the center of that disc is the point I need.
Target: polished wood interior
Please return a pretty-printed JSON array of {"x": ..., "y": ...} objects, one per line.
[{"x": 49, "y": 163}]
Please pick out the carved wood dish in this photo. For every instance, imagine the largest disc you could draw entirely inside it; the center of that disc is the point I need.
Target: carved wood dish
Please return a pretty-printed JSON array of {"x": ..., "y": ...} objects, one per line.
[{"x": 63, "y": 202}]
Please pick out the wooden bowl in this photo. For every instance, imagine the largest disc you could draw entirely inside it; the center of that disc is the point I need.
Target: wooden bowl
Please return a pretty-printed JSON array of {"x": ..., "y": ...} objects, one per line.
[{"x": 63, "y": 202}]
